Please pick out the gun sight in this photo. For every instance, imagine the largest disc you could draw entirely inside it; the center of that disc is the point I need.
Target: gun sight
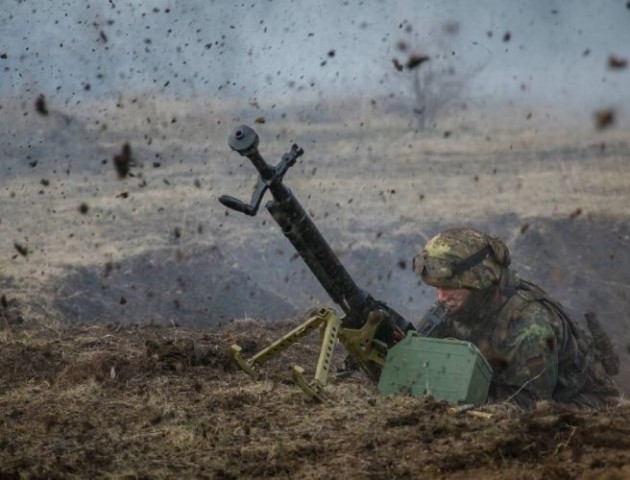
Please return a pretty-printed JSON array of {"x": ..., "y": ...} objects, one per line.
[{"x": 244, "y": 140}]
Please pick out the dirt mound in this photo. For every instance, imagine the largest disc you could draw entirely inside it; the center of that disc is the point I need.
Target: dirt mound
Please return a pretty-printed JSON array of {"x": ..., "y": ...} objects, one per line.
[
  {"x": 150, "y": 401},
  {"x": 578, "y": 259},
  {"x": 168, "y": 286}
]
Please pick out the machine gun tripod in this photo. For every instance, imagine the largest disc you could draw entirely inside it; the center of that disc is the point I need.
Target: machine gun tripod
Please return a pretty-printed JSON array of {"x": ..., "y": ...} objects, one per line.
[{"x": 367, "y": 329}]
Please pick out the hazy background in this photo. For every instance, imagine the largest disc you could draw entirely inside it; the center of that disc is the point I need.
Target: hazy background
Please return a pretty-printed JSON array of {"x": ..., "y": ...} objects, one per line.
[{"x": 539, "y": 51}]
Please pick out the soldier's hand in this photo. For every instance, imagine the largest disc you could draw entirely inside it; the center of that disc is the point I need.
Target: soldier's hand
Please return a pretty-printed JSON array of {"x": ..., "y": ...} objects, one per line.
[{"x": 377, "y": 316}]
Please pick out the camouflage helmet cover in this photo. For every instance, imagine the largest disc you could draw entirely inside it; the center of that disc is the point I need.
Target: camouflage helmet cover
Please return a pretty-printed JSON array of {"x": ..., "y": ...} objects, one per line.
[{"x": 462, "y": 258}]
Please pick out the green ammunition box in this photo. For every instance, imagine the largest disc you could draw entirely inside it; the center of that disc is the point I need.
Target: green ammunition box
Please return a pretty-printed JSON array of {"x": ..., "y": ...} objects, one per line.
[{"x": 447, "y": 369}]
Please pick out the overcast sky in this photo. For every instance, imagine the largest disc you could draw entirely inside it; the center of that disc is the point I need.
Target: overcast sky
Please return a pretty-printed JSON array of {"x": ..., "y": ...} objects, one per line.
[{"x": 517, "y": 50}]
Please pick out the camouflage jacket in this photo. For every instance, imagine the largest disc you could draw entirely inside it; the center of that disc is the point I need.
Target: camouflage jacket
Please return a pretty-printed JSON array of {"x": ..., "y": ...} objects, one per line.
[{"x": 535, "y": 350}]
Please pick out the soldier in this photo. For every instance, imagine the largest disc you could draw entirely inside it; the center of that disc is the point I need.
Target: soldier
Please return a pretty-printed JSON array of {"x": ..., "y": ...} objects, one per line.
[{"x": 535, "y": 350}]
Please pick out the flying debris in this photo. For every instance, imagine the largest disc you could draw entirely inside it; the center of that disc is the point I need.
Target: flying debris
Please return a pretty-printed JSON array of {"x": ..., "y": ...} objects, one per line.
[
  {"x": 415, "y": 61},
  {"x": 40, "y": 105},
  {"x": 617, "y": 63},
  {"x": 124, "y": 161},
  {"x": 21, "y": 249},
  {"x": 604, "y": 118}
]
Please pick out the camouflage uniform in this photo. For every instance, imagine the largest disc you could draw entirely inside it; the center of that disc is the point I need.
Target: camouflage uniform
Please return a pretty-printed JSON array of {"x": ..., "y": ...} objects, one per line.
[{"x": 535, "y": 350}]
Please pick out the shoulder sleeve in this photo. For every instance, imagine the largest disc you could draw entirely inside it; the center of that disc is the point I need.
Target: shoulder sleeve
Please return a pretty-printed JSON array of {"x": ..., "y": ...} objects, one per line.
[{"x": 530, "y": 371}]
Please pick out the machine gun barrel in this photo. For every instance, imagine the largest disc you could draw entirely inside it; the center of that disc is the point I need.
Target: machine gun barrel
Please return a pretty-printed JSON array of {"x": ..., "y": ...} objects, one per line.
[
  {"x": 299, "y": 228},
  {"x": 303, "y": 234}
]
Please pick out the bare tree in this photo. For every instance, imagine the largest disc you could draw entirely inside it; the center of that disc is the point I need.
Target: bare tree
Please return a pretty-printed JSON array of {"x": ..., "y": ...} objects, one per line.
[
  {"x": 436, "y": 87},
  {"x": 436, "y": 83}
]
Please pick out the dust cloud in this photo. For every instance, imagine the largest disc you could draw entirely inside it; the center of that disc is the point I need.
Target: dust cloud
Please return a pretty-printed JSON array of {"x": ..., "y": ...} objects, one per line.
[{"x": 534, "y": 52}]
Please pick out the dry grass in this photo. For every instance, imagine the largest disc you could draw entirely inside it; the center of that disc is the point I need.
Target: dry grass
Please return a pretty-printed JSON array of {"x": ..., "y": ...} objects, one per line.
[
  {"x": 205, "y": 419},
  {"x": 368, "y": 166}
]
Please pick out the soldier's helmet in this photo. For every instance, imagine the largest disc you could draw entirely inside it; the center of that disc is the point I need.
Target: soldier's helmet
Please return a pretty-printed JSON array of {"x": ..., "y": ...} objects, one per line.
[{"x": 462, "y": 258}]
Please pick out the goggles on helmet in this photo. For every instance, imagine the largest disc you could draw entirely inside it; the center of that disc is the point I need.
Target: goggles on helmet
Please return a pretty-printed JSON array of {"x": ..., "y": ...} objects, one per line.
[{"x": 442, "y": 268}]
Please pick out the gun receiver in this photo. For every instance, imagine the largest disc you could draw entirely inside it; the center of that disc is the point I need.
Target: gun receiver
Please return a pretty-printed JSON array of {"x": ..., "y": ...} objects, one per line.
[{"x": 388, "y": 326}]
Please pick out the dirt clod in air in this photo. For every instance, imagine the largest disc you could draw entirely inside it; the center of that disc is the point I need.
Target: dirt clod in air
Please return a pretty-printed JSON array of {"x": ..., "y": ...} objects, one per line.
[
  {"x": 604, "y": 118},
  {"x": 40, "y": 105},
  {"x": 124, "y": 161}
]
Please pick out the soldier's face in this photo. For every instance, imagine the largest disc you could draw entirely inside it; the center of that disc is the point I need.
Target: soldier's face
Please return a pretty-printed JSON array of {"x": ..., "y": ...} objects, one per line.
[{"x": 453, "y": 298}]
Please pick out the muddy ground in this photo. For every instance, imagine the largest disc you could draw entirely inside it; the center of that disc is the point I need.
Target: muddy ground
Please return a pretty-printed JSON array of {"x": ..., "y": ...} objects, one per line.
[
  {"x": 122, "y": 293},
  {"x": 129, "y": 401}
]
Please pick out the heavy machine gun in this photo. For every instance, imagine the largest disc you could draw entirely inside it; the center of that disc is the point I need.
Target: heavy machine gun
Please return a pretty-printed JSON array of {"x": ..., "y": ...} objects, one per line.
[{"x": 368, "y": 327}]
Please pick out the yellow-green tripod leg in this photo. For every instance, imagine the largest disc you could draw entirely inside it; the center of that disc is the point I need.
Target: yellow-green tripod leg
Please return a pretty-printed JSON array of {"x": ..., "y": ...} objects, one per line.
[{"x": 325, "y": 318}]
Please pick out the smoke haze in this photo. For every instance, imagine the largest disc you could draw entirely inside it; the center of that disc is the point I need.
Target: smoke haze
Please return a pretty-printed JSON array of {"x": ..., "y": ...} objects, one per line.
[{"x": 523, "y": 52}]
